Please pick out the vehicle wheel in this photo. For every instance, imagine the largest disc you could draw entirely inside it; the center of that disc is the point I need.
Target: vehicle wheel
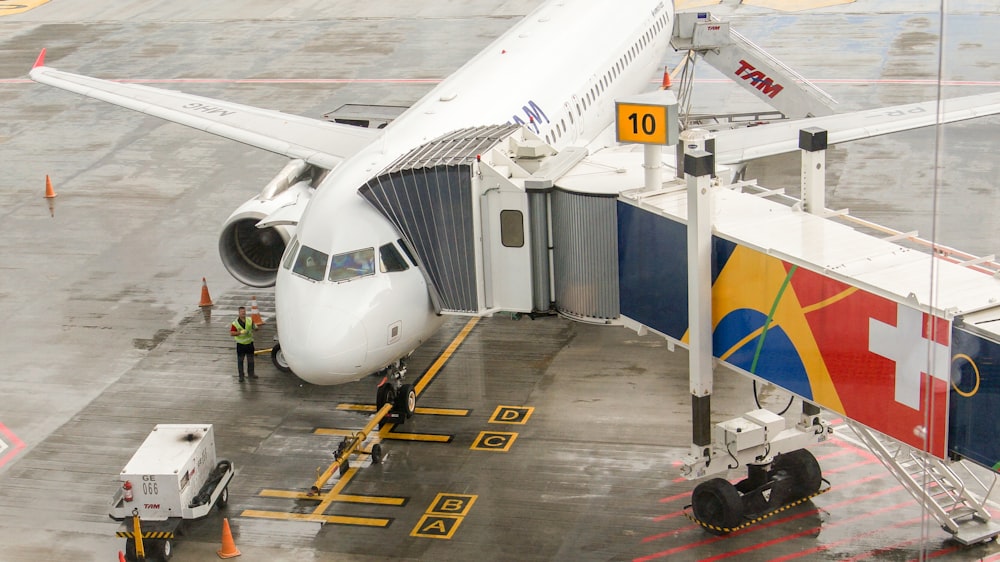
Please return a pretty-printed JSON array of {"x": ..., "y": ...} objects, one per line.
[
  {"x": 385, "y": 394},
  {"x": 130, "y": 554},
  {"x": 223, "y": 500},
  {"x": 344, "y": 467},
  {"x": 406, "y": 400},
  {"x": 718, "y": 504},
  {"x": 166, "y": 550},
  {"x": 804, "y": 471},
  {"x": 278, "y": 358},
  {"x": 377, "y": 453}
]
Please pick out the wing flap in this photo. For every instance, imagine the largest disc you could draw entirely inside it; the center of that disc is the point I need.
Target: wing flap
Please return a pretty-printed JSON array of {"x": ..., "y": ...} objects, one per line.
[
  {"x": 741, "y": 145},
  {"x": 318, "y": 142}
]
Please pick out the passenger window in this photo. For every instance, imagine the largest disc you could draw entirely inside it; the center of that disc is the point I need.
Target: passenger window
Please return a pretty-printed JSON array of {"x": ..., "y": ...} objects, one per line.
[
  {"x": 512, "y": 229},
  {"x": 311, "y": 263},
  {"x": 391, "y": 260},
  {"x": 358, "y": 263},
  {"x": 290, "y": 255}
]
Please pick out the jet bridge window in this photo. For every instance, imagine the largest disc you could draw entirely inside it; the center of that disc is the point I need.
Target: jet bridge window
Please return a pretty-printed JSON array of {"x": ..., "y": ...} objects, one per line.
[
  {"x": 512, "y": 229},
  {"x": 358, "y": 263},
  {"x": 391, "y": 260},
  {"x": 311, "y": 263}
]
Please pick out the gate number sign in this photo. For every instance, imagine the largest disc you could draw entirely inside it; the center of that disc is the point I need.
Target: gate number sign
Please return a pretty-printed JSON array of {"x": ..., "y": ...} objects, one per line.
[{"x": 645, "y": 123}]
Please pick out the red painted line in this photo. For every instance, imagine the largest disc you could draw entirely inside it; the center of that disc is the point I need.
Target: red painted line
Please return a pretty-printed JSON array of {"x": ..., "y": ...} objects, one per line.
[
  {"x": 16, "y": 445},
  {"x": 766, "y": 525},
  {"x": 881, "y": 550},
  {"x": 805, "y": 532},
  {"x": 828, "y": 546}
]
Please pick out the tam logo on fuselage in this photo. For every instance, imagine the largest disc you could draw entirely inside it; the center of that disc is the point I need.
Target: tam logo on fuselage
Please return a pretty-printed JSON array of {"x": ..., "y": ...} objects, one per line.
[
  {"x": 760, "y": 80},
  {"x": 533, "y": 114}
]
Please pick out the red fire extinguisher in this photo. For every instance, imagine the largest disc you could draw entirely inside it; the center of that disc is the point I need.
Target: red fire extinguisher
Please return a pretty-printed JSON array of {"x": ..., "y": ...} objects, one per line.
[{"x": 128, "y": 490}]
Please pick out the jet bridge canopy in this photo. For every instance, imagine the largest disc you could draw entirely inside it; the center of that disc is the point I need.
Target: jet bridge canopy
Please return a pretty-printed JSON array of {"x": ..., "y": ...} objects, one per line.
[{"x": 427, "y": 194}]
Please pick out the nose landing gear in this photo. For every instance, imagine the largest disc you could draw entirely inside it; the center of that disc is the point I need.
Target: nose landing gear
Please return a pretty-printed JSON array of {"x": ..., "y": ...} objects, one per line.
[{"x": 392, "y": 390}]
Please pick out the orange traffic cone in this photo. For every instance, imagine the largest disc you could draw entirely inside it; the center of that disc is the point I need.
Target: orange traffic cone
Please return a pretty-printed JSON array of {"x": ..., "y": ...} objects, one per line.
[
  {"x": 121, "y": 556},
  {"x": 206, "y": 300},
  {"x": 49, "y": 192},
  {"x": 255, "y": 312},
  {"x": 228, "y": 549},
  {"x": 665, "y": 85}
]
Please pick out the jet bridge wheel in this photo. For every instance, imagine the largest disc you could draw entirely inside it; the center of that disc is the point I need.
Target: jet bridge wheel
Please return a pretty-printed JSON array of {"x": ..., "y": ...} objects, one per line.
[
  {"x": 806, "y": 475},
  {"x": 717, "y": 505}
]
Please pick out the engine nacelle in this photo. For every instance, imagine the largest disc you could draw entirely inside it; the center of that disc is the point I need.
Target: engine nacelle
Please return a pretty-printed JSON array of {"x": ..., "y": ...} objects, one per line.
[{"x": 252, "y": 255}]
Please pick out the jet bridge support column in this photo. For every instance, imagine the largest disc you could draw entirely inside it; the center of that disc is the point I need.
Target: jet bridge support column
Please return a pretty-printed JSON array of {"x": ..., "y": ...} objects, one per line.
[
  {"x": 813, "y": 143},
  {"x": 698, "y": 166}
]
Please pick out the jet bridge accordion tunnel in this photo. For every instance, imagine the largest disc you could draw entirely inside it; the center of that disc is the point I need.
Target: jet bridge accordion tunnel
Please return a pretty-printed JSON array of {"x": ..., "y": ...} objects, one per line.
[{"x": 492, "y": 232}]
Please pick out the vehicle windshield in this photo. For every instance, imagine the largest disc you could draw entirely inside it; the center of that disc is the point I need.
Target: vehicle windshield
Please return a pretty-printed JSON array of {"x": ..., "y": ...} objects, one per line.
[
  {"x": 311, "y": 263},
  {"x": 353, "y": 264}
]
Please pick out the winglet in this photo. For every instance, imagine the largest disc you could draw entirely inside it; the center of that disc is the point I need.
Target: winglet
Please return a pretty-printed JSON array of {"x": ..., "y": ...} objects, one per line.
[{"x": 40, "y": 61}]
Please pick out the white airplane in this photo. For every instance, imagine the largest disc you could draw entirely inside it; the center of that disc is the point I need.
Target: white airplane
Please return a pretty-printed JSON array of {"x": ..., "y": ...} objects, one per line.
[{"x": 350, "y": 298}]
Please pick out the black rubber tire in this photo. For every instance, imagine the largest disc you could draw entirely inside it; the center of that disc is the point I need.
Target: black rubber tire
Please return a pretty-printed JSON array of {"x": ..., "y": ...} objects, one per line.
[
  {"x": 344, "y": 467},
  {"x": 278, "y": 359},
  {"x": 377, "y": 453},
  {"x": 406, "y": 400},
  {"x": 165, "y": 549},
  {"x": 223, "y": 500},
  {"x": 130, "y": 554},
  {"x": 717, "y": 503},
  {"x": 804, "y": 470}
]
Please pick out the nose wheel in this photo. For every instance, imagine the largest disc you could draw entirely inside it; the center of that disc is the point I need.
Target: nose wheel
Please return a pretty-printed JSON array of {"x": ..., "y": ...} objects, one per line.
[{"x": 392, "y": 390}]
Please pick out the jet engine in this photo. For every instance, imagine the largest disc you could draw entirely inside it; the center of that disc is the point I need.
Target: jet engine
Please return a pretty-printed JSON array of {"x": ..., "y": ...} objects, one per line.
[{"x": 254, "y": 237}]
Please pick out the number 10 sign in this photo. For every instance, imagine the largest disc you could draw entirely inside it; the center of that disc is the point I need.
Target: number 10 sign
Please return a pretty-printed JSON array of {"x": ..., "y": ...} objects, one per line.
[{"x": 648, "y": 119}]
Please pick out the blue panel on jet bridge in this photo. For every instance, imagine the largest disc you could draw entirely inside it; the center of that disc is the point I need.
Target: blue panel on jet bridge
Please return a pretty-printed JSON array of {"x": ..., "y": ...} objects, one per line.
[{"x": 975, "y": 398}]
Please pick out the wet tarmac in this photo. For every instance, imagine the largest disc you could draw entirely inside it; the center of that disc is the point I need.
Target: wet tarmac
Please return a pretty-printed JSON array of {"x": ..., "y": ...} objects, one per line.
[{"x": 103, "y": 337}]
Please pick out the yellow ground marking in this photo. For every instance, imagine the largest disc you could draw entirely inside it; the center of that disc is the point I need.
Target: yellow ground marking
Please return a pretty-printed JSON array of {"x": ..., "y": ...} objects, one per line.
[
  {"x": 344, "y": 498},
  {"x": 20, "y": 7},
  {"x": 426, "y": 411},
  {"x": 443, "y": 358},
  {"x": 512, "y": 414},
  {"x": 338, "y": 519}
]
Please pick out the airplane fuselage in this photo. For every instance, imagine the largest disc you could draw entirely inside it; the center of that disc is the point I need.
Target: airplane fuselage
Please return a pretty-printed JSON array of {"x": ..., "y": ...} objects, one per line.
[{"x": 558, "y": 72}]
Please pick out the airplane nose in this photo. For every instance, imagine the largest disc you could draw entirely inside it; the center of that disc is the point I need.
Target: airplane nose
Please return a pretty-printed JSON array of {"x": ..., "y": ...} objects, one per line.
[{"x": 324, "y": 345}]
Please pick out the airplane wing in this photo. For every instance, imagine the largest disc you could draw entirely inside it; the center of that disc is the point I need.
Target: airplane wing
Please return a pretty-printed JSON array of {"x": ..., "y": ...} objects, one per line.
[
  {"x": 318, "y": 142},
  {"x": 740, "y": 145}
]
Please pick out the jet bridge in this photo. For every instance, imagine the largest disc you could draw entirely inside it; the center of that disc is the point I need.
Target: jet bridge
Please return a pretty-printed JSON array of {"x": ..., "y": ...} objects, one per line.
[{"x": 748, "y": 65}]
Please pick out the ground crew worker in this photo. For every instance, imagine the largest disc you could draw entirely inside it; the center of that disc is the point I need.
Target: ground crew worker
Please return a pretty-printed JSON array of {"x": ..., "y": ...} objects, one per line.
[{"x": 242, "y": 331}]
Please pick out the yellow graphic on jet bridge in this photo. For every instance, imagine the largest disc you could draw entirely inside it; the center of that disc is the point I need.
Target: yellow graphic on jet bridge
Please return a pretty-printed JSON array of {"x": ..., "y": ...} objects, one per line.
[{"x": 10, "y": 8}]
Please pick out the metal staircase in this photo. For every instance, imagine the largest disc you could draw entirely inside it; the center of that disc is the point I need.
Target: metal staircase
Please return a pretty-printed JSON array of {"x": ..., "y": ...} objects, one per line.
[{"x": 935, "y": 484}]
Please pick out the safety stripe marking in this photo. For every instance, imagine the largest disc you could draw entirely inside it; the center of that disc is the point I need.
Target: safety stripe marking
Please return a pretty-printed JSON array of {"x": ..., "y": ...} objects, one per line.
[
  {"x": 335, "y": 519},
  {"x": 749, "y": 522},
  {"x": 147, "y": 534}
]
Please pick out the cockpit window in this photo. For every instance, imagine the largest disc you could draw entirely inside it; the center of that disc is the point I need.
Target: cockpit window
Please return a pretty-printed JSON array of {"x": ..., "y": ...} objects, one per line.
[
  {"x": 391, "y": 260},
  {"x": 409, "y": 254},
  {"x": 353, "y": 264},
  {"x": 290, "y": 255},
  {"x": 311, "y": 263}
]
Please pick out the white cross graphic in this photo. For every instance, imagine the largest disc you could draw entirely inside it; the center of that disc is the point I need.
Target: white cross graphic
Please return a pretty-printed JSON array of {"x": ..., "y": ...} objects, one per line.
[{"x": 905, "y": 344}]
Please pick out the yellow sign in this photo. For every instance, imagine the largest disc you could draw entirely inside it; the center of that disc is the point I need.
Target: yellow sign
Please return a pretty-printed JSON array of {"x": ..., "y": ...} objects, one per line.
[
  {"x": 642, "y": 123},
  {"x": 436, "y": 526},
  {"x": 494, "y": 441},
  {"x": 444, "y": 515},
  {"x": 452, "y": 504},
  {"x": 512, "y": 414}
]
